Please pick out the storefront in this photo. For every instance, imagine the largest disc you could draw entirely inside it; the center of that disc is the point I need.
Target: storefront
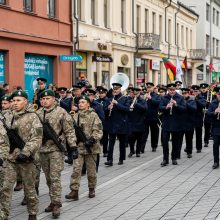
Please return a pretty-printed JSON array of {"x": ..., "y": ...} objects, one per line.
[
  {"x": 81, "y": 67},
  {"x": 2, "y": 67},
  {"x": 142, "y": 70}
]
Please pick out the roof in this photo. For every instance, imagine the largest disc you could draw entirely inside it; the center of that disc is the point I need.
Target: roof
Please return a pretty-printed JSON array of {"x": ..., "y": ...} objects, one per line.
[{"x": 187, "y": 8}]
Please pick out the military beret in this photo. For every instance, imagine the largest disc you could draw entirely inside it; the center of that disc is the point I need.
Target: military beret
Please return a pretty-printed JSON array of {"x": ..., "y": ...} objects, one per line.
[
  {"x": 62, "y": 89},
  {"x": 90, "y": 91},
  {"x": 178, "y": 82},
  {"x": 149, "y": 84},
  {"x": 204, "y": 85},
  {"x": 116, "y": 85},
  {"x": 171, "y": 86},
  {"x": 6, "y": 98},
  {"x": 101, "y": 89},
  {"x": 185, "y": 90},
  {"x": 85, "y": 97},
  {"x": 20, "y": 93},
  {"x": 40, "y": 80},
  {"x": 47, "y": 92},
  {"x": 195, "y": 87}
]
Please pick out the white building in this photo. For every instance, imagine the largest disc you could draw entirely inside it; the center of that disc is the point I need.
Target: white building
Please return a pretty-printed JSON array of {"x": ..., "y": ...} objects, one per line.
[{"x": 208, "y": 35}]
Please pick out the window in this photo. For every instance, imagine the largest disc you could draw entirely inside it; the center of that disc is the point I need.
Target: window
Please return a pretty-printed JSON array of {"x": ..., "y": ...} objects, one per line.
[
  {"x": 79, "y": 9},
  {"x": 51, "y": 8},
  {"x": 213, "y": 16},
  {"x": 2, "y": 2},
  {"x": 207, "y": 12},
  {"x": 161, "y": 27},
  {"x": 28, "y": 5},
  {"x": 187, "y": 39},
  {"x": 106, "y": 13},
  {"x": 169, "y": 30},
  {"x": 93, "y": 11},
  {"x": 154, "y": 23},
  {"x": 123, "y": 20},
  {"x": 138, "y": 19},
  {"x": 217, "y": 18},
  {"x": 217, "y": 45},
  {"x": 146, "y": 20},
  {"x": 207, "y": 44},
  {"x": 182, "y": 36}
]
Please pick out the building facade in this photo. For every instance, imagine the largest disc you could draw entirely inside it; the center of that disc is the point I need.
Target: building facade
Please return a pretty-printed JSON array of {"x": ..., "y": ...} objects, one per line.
[
  {"x": 132, "y": 35},
  {"x": 33, "y": 35},
  {"x": 208, "y": 36}
]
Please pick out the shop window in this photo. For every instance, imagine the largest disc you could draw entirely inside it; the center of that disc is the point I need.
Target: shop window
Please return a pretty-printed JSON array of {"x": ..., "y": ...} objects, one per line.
[
  {"x": 28, "y": 5},
  {"x": 2, "y": 2},
  {"x": 52, "y": 8}
]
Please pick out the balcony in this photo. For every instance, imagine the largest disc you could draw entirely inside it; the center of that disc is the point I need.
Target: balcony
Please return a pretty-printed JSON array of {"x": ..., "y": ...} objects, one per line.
[
  {"x": 148, "y": 42},
  {"x": 197, "y": 54}
]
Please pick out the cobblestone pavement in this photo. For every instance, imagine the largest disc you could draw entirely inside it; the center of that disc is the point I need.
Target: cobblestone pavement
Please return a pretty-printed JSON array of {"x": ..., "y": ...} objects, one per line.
[{"x": 141, "y": 189}]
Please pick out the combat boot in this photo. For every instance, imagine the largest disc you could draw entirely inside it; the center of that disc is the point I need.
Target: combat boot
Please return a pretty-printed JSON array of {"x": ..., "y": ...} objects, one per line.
[
  {"x": 32, "y": 217},
  {"x": 74, "y": 195},
  {"x": 24, "y": 201},
  {"x": 19, "y": 186},
  {"x": 91, "y": 192},
  {"x": 56, "y": 210},
  {"x": 49, "y": 208}
]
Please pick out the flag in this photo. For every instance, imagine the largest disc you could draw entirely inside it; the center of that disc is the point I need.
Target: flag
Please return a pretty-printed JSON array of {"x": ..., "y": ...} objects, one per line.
[
  {"x": 171, "y": 69},
  {"x": 211, "y": 67},
  {"x": 179, "y": 71},
  {"x": 184, "y": 65}
]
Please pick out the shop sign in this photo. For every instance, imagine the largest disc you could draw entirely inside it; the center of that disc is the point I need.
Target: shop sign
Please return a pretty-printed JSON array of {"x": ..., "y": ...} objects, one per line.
[
  {"x": 73, "y": 58},
  {"x": 36, "y": 66},
  {"x": 155, "y": 65},
  {"x": 102, "y": 59},
  {"x": 2, "y": 67}
]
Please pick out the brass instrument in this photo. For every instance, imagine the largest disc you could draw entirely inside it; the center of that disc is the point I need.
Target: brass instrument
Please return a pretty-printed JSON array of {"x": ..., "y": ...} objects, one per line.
[{"x": 131, "y": 108}]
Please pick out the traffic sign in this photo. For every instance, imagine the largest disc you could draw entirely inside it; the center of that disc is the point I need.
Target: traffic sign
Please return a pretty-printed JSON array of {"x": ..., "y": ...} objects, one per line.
[
  {"x": 200, "y": 67},
  {"x": 73, "y": 58}
]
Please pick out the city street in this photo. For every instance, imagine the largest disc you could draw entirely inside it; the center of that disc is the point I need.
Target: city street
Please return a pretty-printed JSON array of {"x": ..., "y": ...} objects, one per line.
[{"x": 140, "y": 189}]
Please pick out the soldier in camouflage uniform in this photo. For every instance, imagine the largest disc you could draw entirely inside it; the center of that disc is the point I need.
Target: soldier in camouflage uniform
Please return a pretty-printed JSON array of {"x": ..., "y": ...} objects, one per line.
[
  {"x": 52, "y": 159},
  {"x": 90, "y": 123},
  {"x": 29, "y": 128}
]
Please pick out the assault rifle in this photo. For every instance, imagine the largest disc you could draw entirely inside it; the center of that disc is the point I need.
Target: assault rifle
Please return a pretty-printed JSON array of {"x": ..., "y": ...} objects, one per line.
[{"x": 14, "y": 139}]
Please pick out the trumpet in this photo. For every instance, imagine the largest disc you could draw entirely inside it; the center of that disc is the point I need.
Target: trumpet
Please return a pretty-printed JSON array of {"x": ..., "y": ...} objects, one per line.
[{"x": 132, "y": 104}]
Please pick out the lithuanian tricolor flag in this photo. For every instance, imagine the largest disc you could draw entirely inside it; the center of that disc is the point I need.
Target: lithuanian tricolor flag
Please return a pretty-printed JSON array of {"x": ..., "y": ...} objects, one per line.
[{"x": 171, "y": 69}]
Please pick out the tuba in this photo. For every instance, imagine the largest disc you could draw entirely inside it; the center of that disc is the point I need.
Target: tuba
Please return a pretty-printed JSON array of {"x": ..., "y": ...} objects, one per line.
[{"x": 121, "y": 78}]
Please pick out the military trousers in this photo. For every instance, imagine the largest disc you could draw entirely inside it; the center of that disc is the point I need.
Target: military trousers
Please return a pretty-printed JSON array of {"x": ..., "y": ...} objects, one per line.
[
  {"x": 198, "y": 138},
  {"x": 52, "y": 164},
  {"x": 135, "y": 137},
  {"x": 104, "y": 142},
  {"x": 189, "y": 141},
  {"x": 216, "y": 144},
  {"x": 28, "y": 174},
  {"x": 207, "y": 132},
  {"x": 90, "y": 161}
]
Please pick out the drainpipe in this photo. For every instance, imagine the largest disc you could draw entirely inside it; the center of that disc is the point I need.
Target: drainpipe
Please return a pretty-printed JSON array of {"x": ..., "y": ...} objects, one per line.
[
  {"x": 136, "y": 36},
  {"x": 76, "y": 40},
  {"x": 176, "y": 43},
  {"x": 210, "y": 34},
  {"x": 166, "y": 27}
]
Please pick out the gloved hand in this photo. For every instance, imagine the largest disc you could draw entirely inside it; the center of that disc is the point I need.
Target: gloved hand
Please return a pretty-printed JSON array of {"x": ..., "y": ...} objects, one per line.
[
  {"x": 22, "y": 158},
  {"x": 90, "y": 142},
  {"x": 1, "y": 162},
  {"x": 73, "y": 153}
]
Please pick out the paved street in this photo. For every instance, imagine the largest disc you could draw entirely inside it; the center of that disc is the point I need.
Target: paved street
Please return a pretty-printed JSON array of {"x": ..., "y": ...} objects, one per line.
[{"x": 141, "y": 189}]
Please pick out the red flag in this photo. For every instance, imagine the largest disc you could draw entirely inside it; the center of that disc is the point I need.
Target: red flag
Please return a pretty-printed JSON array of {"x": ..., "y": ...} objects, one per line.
[
  {"x": 211, "y": 67},
  {"x": 184, "y": 65},
  {"x": 171, "y": 68}
]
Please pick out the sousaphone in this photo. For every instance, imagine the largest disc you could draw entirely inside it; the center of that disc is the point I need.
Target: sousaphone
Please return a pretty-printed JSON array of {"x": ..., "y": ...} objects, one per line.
[{"x": 121, "y": 78}]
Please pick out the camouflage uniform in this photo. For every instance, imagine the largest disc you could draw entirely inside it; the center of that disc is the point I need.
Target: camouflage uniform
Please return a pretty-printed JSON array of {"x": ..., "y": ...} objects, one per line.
[
  {"x": 30, "y": 130},
  {"x": 4, "y": 151},
  {"x": 92, "y": 127},
  {"x": 51, "y": 158}
]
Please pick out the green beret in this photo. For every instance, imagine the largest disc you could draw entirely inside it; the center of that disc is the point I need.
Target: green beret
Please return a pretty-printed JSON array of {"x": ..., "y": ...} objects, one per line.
[
  {"x": 85, "y": 97},
  {"x": 20, "y": 93},
  {"x": 6, "y": 98},
  {"x": 47, "y": 92}
]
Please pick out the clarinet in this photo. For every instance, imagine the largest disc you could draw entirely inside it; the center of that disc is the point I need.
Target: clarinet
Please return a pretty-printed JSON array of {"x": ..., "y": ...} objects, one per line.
[
  {"x": 132, "y": 104},
  {"x": 171, "y": 109}
]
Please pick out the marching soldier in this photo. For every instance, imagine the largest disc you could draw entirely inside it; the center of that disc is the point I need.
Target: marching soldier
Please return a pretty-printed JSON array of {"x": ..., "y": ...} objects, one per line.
[
  {"x": 214, "y": 113},
  {"x": 51, "y": 155},
  {"x": 117, "y": 112},
  {"x": 172, "y": 105},
  {"x": 91, "y": 125},
  {"x": 207, "y": 121},
  {"x": 41, "y": 87},
  {"x": 64, "y": 101},
  {"x": 103, "y": 100},
  {"x": 201, "y": 103},
  {"x": 153, "y": 102},
  {"x": 178, "y": 87},
  {"x": 136, "y": 117},
  {"x": 29, "y": 128},
  {"x": 188, "y": 122}
]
